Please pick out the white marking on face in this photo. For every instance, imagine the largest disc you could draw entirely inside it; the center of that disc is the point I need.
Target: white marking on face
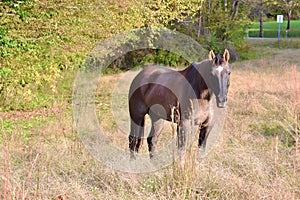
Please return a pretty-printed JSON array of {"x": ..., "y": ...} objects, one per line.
[{"x": 219, "y": 69}]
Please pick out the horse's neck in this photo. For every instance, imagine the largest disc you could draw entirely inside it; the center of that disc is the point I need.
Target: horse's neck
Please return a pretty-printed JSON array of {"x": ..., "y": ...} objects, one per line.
[
  {"x": 203, "y": 67},
  {"x": 194, "y": 75}
]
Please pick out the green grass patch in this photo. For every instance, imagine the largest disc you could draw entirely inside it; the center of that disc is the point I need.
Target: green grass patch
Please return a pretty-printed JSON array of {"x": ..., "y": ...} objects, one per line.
[
  {"x": 270, "y": 129},
  {"x": 21, "y": 128},
  {"x": 271, "y": 29}
]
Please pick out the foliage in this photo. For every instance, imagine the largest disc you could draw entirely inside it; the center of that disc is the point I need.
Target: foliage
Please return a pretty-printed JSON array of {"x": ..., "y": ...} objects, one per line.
[
  {"x": 167, "y": 12},
  {"x": 40, "y": 40},
  {"x": 226, "y": 23},
  {"x": 139, "y": 58},
  {"x": 288, "y": 6},
  {"x": 164, "y": 58}
]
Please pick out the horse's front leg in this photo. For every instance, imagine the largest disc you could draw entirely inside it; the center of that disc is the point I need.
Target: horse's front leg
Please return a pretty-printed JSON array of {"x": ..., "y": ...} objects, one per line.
[
  {"x": 202, "y": 136},
  {"x": 183, "y": 131}
]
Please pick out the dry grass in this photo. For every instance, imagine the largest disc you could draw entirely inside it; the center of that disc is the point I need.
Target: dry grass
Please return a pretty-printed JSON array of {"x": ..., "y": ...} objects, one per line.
[{"x": 257, "y": 156}]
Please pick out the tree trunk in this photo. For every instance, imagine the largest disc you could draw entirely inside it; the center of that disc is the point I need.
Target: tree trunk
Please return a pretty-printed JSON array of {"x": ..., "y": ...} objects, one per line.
[
  {"x": 200, "y": 28},
  {"x": 209, "y": 10},
  {"x": 289, "y": 14},
  {"x": 235, "y": 9},
  {"x": 261, "y": 28}
]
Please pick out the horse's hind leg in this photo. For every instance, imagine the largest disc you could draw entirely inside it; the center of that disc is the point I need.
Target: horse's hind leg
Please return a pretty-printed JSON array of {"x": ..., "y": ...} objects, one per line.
[
  {"x": 135, "y": 137},
  {"x": 156, "y": 128}
]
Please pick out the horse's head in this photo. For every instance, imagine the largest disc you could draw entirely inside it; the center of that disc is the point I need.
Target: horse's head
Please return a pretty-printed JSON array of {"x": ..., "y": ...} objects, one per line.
[{"x": 220, "y": 77}]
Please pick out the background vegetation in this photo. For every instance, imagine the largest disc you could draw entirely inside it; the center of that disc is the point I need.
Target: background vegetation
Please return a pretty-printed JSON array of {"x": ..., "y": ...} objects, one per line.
[{"x": 43, "y": 43}]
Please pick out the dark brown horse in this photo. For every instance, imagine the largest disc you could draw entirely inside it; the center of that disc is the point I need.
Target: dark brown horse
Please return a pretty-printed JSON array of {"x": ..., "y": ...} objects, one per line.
[{"x": 158, "y": 91}]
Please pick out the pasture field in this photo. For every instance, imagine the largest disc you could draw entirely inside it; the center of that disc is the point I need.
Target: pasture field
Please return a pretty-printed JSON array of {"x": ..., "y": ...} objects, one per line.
[
  {"x": 271, "y": 29},
  {"x": 256, "y": 157}
]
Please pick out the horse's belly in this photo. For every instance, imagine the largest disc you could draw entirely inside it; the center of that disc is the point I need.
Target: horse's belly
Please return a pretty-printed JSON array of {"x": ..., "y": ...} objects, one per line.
[
  {"x": 160, "y": 101},
  {"x": 201, "y": 118},
  {"x": 202, "y": 111}
]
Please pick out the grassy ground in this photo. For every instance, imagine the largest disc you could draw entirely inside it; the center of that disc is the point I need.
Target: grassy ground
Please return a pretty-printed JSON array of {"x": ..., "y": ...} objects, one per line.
[
  {"x": 271, "y": 29},
  {"x": 257, "y": 156}
]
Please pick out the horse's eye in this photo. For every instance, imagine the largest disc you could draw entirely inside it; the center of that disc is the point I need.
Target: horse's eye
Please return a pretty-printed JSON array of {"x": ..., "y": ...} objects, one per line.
[{"x": 228, "y": 72}]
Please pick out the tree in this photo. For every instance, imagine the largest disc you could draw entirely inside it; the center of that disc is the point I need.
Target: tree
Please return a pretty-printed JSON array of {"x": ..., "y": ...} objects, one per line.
[
  {"x": 256, "y": 11},
  {"x": 234, "y": 10},
  {"x": 288, "y": 6},
  {"x": 259, "y": 8},
  {"x": 200, "y": 27},
  {"x": 225, "y": 19}
]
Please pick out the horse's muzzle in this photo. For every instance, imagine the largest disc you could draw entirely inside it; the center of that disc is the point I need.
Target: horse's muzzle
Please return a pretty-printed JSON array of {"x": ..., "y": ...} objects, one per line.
[{"x": 221, "y": 104}]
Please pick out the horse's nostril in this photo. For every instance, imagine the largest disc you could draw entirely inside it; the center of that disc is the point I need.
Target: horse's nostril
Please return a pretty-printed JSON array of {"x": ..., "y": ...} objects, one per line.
[{"x": 222, "y": 99}]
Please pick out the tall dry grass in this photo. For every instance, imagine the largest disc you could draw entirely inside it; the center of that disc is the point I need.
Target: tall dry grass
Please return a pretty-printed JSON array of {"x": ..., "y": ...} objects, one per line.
[{"x": 257, "y": 156}]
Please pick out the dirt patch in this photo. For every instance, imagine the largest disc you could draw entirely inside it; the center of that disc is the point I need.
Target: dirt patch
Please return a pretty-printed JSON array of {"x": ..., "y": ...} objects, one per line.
[
  {"x": 288, "y": 56},
  {"x": 30, "y": 114},
  {"x": 109, "y": 78}
]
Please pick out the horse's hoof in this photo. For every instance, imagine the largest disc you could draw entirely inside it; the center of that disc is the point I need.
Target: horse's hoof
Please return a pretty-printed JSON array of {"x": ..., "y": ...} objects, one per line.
[
  {"x": 132, "y": 156},
  {"x": 151, "y": 155},
  {"x": 201, "y": 154}
]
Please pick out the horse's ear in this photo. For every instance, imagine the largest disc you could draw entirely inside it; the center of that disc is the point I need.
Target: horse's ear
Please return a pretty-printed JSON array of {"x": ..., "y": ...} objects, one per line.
[
  {"x": 226, "y": 55},
  {"x": 211, "y": 55}
]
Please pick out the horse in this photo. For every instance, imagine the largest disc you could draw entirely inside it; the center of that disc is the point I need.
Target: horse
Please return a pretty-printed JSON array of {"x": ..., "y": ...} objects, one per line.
[{"x": 167, "y": 94}]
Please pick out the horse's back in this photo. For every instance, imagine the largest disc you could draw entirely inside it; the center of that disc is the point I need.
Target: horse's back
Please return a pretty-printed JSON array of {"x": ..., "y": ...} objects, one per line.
[
  {"x": 150, "y": 75},
  {"x": 152, "y": 87}
]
